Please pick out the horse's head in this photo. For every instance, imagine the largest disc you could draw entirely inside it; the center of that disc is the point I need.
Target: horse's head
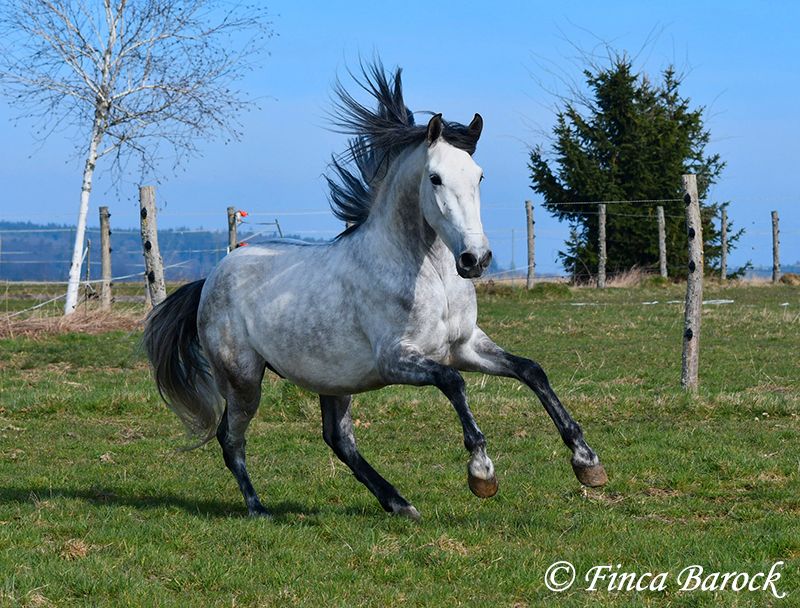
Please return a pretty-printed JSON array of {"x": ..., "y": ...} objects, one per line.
[{"x": 450, "y": 197}]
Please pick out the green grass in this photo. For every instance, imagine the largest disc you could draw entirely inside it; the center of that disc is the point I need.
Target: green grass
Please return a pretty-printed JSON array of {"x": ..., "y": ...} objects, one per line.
[
  {"x": 97, "y": 507},
  {"x": 19, "y": 296}
]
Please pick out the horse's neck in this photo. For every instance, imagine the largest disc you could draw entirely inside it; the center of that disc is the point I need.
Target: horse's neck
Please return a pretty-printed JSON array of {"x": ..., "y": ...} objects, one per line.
[{"x": 396, "y": 217}]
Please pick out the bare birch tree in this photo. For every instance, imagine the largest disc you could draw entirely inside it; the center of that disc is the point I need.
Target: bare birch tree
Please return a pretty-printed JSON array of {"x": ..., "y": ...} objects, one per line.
[{"x": 134, "y": 79}]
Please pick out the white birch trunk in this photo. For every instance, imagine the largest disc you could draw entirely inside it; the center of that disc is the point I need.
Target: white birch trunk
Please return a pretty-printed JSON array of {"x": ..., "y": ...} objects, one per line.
[
  {"x": 98, "y": 130},
  {"x": 77, "y": 251}
]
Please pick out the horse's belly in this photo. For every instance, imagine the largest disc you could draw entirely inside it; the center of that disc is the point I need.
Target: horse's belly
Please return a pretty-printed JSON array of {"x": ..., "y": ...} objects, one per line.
[
  {"x": 318, "y": 354},
  {"x": 328, "y": 377}
]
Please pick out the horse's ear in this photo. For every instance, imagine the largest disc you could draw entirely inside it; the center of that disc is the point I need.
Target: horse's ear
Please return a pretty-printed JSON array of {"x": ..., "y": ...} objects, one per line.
[
  {"x": 475, "y": 127},
  {"x": 435, "y": 128}
]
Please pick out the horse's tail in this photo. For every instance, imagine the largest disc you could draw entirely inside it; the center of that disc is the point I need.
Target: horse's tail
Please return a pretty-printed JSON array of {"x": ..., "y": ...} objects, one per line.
[{"x": 180, "y": 368}]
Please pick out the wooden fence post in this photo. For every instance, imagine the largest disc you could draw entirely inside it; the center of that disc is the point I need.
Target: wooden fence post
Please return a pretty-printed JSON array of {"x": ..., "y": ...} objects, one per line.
[
  {"x": 694, "y": 286},
  {"x": 153, "y": 265},
  {"x": 87, "y": 289},
  {"x": 88, "y": 261},
  {"x": 776, "y": 245},
  {"x": 232, "y": 240},
  {"x": 723, "y": 256},
  {"x": 105, "y": 259},
  {"x": 662, "y": 242},
  {"x": 531, "y": 250},
  {"x": 601, "y": 246}
]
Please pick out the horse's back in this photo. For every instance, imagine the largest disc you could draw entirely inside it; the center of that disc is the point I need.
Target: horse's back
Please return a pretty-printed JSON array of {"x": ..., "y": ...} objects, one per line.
[{"x": 295, "y": 305}]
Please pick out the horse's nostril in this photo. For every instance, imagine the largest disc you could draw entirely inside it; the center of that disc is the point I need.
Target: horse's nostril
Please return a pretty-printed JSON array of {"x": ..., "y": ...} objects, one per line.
[
  {"x": 467, "y": 260},
  {"x": 486, "y": 260}
]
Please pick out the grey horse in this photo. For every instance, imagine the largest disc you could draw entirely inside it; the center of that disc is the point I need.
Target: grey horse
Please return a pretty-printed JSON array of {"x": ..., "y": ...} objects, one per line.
[{"x": 389, "y": 301}]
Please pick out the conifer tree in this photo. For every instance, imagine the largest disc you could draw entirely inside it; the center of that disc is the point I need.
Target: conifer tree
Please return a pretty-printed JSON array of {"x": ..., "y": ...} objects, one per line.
[{"x": 627, "y": 139}]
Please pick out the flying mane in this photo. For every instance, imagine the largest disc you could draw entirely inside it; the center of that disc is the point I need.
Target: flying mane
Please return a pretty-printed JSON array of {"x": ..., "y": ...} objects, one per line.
[{"x": 379, "y": 135}]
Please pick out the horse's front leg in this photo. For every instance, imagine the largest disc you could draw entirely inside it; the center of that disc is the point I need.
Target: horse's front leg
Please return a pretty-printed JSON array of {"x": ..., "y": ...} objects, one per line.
[
  {"x": 481, "y": 354},
  {"x": 412, "y": 368}
]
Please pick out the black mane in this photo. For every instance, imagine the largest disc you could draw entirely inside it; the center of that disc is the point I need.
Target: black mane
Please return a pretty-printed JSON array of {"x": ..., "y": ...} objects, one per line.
[{"x": 379, "y": 136}]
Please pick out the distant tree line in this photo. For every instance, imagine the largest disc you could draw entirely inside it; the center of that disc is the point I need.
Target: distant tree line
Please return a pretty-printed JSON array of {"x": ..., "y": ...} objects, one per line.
[{"x": 43, "y": 256}]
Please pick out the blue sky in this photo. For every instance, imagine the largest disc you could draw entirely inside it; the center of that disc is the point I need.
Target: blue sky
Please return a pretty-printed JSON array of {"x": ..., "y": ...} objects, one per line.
[{"x": 742, "y": 61}]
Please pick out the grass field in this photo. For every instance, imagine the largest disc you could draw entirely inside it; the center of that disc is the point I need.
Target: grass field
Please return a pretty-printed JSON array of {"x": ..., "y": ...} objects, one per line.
[{"x": 98, "y": 509}]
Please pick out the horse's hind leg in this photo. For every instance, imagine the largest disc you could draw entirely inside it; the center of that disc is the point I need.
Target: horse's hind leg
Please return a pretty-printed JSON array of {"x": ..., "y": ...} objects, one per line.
[
  {"x": 242, "y": 390},
  {"x": 337, "y": 430}
]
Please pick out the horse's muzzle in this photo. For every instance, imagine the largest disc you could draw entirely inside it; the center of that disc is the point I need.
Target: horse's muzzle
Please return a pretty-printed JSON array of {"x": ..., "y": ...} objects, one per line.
[{"x": 470, "y": 266}]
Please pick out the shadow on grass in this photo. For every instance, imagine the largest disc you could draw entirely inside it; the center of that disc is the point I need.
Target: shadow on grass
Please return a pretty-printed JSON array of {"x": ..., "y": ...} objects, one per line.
[
  {"x": 287, "y": 511},
  {"x": 110, "y": 497},
  {"x": 360, "y": 512}
]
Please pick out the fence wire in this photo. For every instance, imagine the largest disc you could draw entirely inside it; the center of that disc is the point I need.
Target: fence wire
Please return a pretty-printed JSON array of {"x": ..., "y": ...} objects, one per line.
[{"x": 251, "y": 233}]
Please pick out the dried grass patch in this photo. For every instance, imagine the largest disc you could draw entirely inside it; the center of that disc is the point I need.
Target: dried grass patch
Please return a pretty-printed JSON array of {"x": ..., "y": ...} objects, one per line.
[
  {"x": 37, "y": 600},
  {"x": 632, "y": 277},
  {"x": 662, "y": 492},
  {"x": 74, "y": 549},
  {"x": 449, "y": 545},
  {"x": 386, "y": 545},
  {"x": 790, "y": 278},
  {"x": 85, "y": 322}
]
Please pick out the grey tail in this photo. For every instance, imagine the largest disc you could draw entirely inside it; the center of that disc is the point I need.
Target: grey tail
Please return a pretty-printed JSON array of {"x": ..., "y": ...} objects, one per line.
[{"x": 181, "y": 370}]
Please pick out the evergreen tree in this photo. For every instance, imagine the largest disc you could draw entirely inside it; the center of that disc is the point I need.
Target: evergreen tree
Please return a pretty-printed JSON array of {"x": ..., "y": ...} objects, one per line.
[{"x": 627, "y": 139}]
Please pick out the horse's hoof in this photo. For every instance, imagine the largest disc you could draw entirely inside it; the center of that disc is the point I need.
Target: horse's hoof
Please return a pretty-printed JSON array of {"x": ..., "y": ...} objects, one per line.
[
  {"x": 482, "y": 488},
  {"x": 408, "y": 511},
  {"x": 593, "y": 476}
]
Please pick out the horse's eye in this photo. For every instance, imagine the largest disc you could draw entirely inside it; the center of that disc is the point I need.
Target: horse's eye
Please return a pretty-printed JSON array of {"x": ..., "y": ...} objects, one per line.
[{"x": 436, "y": 180}]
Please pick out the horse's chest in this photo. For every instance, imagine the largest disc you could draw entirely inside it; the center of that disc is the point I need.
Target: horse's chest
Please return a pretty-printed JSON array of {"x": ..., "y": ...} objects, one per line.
[{"x": 443, "y": 324}]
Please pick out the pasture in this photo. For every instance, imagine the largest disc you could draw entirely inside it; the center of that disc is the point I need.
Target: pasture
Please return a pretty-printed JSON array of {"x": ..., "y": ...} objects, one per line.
[{"x": 97, "y": 508}]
